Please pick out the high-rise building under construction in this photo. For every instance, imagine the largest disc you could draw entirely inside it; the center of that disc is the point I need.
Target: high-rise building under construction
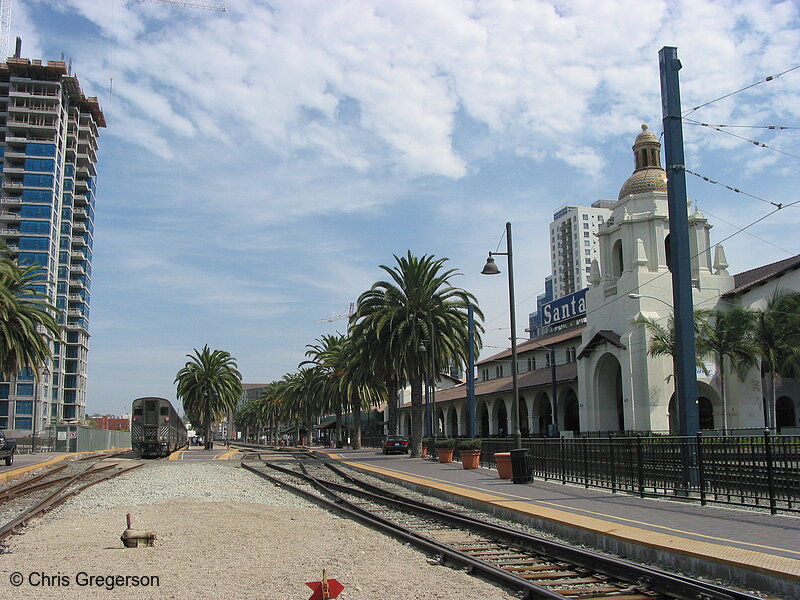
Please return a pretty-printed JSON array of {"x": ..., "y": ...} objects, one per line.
[{"x": 48, "y": 152}]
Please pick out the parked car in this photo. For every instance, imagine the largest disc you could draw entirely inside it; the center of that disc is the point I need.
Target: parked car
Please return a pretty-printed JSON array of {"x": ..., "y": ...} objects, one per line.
[
  {"x": 396, "y": 443},
  {"x": 7, "y": 449}
]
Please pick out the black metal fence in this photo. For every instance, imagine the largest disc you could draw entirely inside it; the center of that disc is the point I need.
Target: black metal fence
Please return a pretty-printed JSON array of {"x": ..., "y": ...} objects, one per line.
[{"x": 753, "y": 471}]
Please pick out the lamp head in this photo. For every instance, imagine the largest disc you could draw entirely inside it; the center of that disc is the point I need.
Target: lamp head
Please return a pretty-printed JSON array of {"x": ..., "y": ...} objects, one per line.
[
  {"x": 490, "y": 268},
  {"x": 634, "y": 296}
]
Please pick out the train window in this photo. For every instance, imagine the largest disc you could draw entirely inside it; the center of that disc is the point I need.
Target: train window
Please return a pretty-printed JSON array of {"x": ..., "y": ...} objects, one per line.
[
  {"x": 137, "y": 410},
  {"x": 165, "y": 411}
]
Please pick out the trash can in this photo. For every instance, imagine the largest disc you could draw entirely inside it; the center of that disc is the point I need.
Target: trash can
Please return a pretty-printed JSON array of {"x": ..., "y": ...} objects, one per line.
[{"x": 521, "y": 466}]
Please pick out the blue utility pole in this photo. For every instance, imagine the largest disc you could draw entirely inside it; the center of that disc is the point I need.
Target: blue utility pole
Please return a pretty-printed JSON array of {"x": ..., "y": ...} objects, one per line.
[
  {"x": 473, "y": 428},
  {"x": 680, "y": 257}
]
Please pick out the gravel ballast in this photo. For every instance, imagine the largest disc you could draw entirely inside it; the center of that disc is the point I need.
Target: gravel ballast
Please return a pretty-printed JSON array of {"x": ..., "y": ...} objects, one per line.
[{"x": 222, "y": 533}]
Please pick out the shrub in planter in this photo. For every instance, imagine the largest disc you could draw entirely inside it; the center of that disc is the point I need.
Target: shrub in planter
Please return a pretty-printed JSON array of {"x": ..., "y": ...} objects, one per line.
[
  {"x": 473, "y": 444},
  {"x": 445, "y": 449},
  {"x": 427, "y": 444},
  {"x": 470, "y": 451}
]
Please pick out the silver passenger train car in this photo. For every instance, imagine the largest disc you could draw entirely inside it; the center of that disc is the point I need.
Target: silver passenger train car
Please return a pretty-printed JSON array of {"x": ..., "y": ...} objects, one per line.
[{"x": 156, "y": 428}]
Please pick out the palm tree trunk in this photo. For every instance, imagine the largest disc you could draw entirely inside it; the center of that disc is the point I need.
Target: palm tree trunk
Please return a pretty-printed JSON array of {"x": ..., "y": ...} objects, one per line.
[
  {"x": 771, "y": 420},
  {"x": 357, "y": 424},
  {"x": 393, "y": 409},
  {"x": 208, "y": 428},
  {"x": 339, "y": 443},
  {"x": 416, "y": 417}
]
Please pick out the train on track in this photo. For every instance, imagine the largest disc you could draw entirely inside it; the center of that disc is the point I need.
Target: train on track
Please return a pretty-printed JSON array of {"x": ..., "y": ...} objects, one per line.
[{"x": 156, "y": 428}]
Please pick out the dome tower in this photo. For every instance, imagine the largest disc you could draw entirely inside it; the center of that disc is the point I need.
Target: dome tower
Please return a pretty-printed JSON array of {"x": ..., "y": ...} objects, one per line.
[{"x": 648, "y": 174}]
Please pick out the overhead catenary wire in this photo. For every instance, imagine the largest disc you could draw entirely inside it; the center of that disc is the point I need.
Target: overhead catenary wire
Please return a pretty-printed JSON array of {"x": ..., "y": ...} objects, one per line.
[
  {"x": 730, "y": 126},
  {"x": 747, "y": 87},
  {"x": 754, "y": 142},
  {"x": 731, "y": 188}
]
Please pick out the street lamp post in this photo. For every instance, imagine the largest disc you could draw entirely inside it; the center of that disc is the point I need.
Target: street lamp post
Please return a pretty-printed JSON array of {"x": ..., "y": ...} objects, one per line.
[{"x": 491, "y": 269}]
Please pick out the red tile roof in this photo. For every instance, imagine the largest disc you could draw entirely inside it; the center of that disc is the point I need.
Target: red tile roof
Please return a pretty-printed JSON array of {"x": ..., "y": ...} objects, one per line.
[
  {"x": 551, "y": 338},
  {"x": 761, "y": 275}
]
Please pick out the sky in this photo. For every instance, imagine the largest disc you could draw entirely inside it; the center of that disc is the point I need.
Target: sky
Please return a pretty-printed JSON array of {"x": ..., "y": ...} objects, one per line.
[{"x": 260, "y": 163}]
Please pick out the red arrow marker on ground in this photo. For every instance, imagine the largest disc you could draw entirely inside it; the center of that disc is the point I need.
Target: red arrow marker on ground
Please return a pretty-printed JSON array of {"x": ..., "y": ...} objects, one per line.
[{"x": 325, "y": 589}]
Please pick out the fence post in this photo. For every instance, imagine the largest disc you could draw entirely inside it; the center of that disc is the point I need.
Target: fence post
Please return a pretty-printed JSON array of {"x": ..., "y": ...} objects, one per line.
[
  {"x": 562, "y": 461},
  {"x": 639, "y": 466},
  {"x": 770, "y": 478},
  {"x": 586, "y": 463},
  {"x": 611, "y": 463},
  {"x": 701, "y": 479}
]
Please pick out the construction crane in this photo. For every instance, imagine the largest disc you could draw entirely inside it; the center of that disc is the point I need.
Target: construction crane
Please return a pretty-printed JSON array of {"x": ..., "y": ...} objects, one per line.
[
  {"x": 206, "y": 4},
  {"x": 5, "y": 13},
  {"x": 337, "y": 317}
]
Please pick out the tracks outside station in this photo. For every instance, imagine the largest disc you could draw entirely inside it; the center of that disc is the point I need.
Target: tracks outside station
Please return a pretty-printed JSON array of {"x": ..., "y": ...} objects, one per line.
[
  {"x": 40, "y": 493},
  {"x": 534, "y": 566}
]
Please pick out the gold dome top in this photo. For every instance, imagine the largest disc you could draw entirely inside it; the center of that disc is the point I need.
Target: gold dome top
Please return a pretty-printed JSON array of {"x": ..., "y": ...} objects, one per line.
[{"x": 648, "y": 176}]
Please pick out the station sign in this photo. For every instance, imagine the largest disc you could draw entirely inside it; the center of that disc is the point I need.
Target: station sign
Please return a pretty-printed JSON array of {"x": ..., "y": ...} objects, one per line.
[{"x": 567, "y": 308}]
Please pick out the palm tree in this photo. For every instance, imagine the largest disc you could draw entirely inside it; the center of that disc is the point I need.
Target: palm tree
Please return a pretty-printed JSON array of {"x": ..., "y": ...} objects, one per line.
[
  {"x": 777, "y": 338},
  {"x": 662, "y": 337},
  {"x": 395, "y": 317},
  {"x": 731, "y": 337},
  {"x": 304, "y": 392},
  {"x": 361, "y": 385},
  {"x": 209, "y": 386},
  {"x": 328, "y": 353},
  {"x": 664, "y": 343},
  {"x": 271, "y": 408},
  {"x": 27, "y": 320}
]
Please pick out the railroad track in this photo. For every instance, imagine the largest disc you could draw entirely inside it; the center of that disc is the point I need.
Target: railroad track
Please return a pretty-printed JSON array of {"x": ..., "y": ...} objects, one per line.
[
  {"x": 34, "y": 499},
  {"x": 537, "y": 567}
]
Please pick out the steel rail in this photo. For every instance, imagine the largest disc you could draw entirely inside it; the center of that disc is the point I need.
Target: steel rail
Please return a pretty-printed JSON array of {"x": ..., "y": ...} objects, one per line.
[
  {"x": 56, "y": 498},
  {"x": 341, "y": 505},
  {"x": 22, "y": 484},
  {"x": 617, "y": 567},
  {"x": 654, "y": 580},
  {"x": 45, "y": 484}
]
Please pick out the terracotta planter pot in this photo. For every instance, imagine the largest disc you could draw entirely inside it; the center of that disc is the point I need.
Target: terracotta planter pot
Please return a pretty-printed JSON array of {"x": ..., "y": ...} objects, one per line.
[
  {"x": 445, "y": 455},
  {"x": 471, "y": 459},
  {"x": 503, "y": 460}
]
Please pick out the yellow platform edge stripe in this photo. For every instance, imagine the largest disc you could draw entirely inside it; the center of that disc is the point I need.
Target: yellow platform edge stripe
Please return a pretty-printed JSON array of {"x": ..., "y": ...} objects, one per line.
[
  {"x": 56, "y": 459},
  {"x": 780, "y": 566},
  {"x": 227, "y": 455}
]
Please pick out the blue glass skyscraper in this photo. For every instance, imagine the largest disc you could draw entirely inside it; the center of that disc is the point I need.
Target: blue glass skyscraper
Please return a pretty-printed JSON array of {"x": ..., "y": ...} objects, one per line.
[{"x": 48, "y": 152}]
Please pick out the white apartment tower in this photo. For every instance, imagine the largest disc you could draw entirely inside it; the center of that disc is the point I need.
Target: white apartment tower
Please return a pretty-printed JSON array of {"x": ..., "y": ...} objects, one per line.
[
  {"x": 573, "y": 244},
  {"x": 48, "y": 151}
]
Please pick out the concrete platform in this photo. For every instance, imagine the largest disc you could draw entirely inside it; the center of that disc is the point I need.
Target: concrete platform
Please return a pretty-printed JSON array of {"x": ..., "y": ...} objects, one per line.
[{"x": 745, "y": 548}]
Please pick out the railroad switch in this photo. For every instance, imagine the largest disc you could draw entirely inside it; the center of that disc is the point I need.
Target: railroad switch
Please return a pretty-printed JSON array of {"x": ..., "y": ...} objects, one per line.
[{"x": 133, "y": 538}]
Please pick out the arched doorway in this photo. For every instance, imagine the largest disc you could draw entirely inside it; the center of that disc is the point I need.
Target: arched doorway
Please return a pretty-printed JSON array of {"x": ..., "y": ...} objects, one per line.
[
  {"x": 502, "y": 418},
  {"x": 784, "y": 413},
  {"x": 483, "y": 420},
  {"x": 453, "y": 425},
  {"x": 608, "y": 383},
  {"x": 406, "y": 424},
  {"x": 524, "y": 426},
  {"x": 706, "y": 413},
  {"x": 572, "y": 421},
  {"x": 542, "y": 414}
]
